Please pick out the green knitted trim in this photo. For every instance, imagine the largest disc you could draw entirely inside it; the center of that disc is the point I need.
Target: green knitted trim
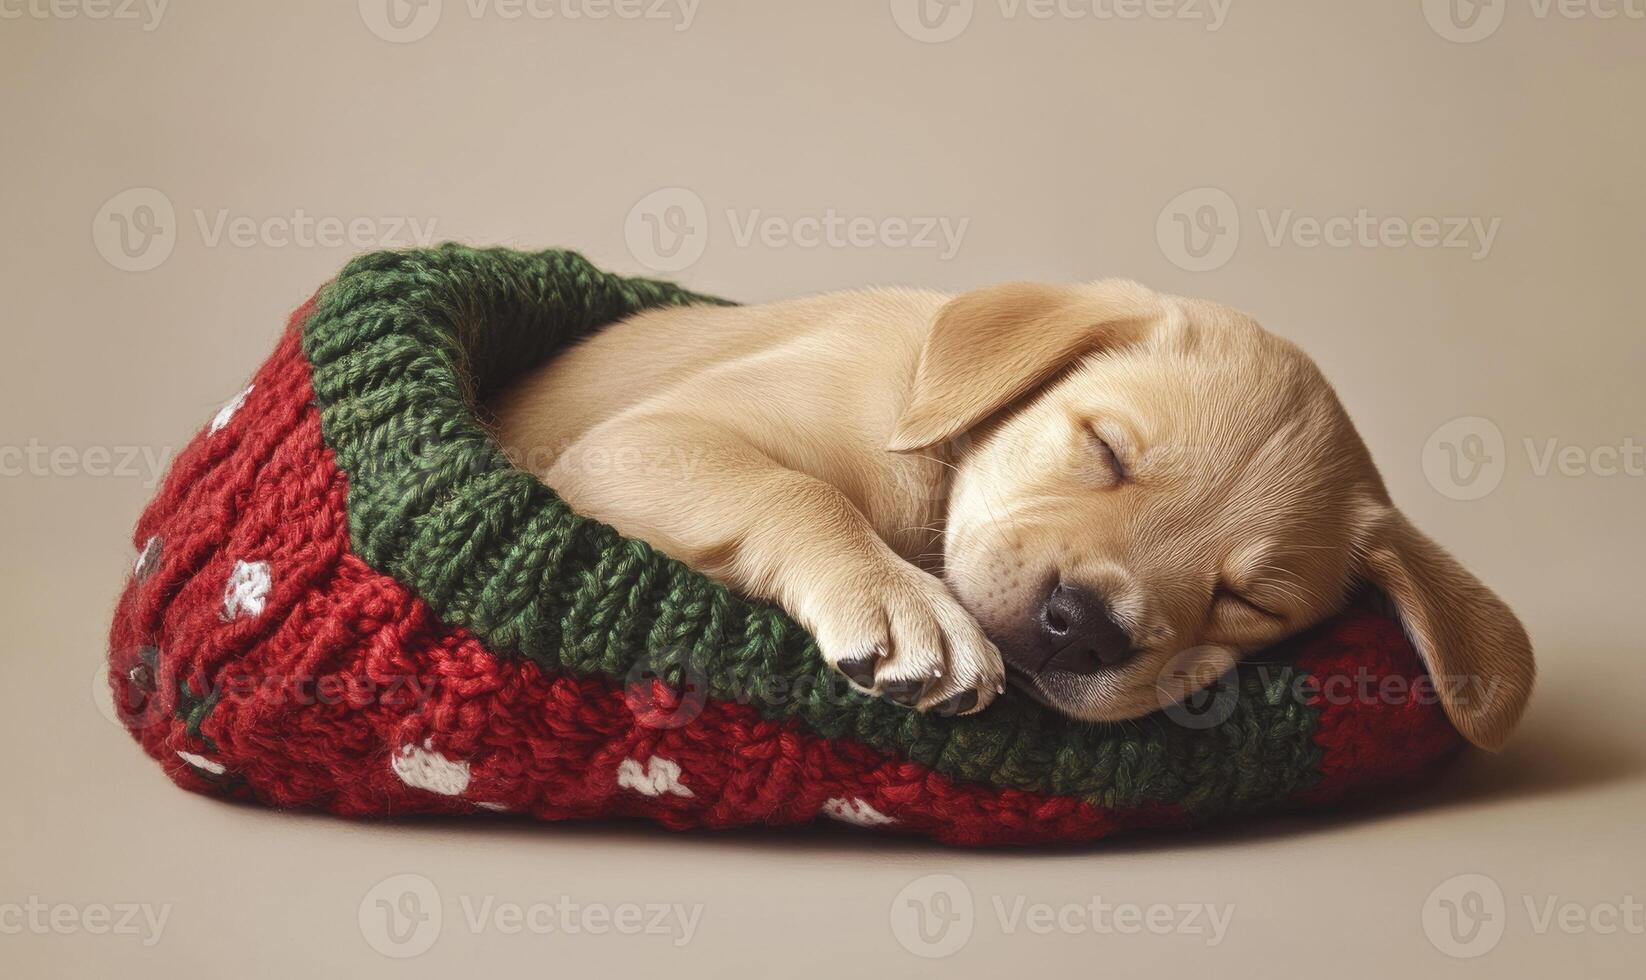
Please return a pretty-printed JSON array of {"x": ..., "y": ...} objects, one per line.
[
  {"x": 405, "y": 344},
  {"x": 194, "y": 710}
]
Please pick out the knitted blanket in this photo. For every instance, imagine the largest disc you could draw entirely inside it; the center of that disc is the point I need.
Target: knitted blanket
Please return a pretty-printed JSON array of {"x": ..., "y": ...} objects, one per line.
[{"x": 346, "y": 599}]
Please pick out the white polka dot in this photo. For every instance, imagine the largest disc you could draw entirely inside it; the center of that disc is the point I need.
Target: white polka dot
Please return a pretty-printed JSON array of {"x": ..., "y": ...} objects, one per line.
[
  {"x": 659, "y": 776},
  {"x": 248, "y": 589},
  {"x": 425, "y": 768},
  {"x": 148, "y": 559},
  {"x": 855, "y": 811},
  {"x": 226, "y": 413},
  {"x": 201, "y": 762}
]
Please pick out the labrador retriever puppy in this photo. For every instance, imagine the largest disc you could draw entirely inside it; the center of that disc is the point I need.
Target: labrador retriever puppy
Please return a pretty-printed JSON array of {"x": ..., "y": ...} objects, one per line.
[{"x": 1106, "y": 493}]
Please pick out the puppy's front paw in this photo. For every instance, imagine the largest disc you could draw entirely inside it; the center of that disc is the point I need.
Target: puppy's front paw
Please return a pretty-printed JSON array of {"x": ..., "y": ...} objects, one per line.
[{"x": 902, "y": 635}]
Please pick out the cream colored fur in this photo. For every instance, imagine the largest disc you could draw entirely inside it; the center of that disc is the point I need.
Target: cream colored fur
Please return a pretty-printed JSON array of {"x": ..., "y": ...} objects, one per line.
[{"x": 908, "y": 473}]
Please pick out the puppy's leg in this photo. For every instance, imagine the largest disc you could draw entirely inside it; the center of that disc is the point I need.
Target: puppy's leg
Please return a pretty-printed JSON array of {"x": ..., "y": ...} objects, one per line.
[{"x": 704, "y": 495}]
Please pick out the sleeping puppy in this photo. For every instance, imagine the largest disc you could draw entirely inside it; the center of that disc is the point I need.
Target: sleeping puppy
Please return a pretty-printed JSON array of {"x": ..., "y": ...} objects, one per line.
[{"x": 1106, "y": 493}]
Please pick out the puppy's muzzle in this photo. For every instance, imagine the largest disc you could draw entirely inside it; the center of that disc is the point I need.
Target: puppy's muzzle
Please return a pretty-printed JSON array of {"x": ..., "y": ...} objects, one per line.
[{"x": 1075, "y": 634}]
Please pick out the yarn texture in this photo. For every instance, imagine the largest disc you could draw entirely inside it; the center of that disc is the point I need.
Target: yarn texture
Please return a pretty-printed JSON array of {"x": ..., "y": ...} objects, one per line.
[{"x": 346, "y": 598}]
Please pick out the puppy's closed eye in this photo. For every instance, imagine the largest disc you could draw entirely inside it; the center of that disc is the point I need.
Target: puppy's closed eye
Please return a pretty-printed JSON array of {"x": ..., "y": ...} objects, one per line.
[
  {"x": 1109, "y": 467},
  {"x": 1225, "y": 597}
]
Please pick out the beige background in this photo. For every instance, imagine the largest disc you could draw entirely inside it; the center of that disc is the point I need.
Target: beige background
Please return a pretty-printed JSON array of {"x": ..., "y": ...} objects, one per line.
[{"x": 1062, "y": 144}]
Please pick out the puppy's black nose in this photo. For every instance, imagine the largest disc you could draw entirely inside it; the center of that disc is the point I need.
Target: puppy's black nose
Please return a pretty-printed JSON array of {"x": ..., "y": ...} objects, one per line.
[{"x": 1079, "y": 634}]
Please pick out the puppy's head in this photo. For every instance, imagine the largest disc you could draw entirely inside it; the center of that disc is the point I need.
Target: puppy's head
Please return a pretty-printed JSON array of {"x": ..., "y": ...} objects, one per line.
[{"x": 1149, "y": 488}]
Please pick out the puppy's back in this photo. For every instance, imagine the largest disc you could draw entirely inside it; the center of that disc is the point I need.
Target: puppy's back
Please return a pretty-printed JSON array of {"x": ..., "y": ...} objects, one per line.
[{"x": 840, "y": 360}]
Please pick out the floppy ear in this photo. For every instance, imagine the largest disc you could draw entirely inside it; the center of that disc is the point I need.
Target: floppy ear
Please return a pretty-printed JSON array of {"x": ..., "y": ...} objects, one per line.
[
  {"x": 991, "y": 346},
  {"x": 1475, "y": 649}
]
